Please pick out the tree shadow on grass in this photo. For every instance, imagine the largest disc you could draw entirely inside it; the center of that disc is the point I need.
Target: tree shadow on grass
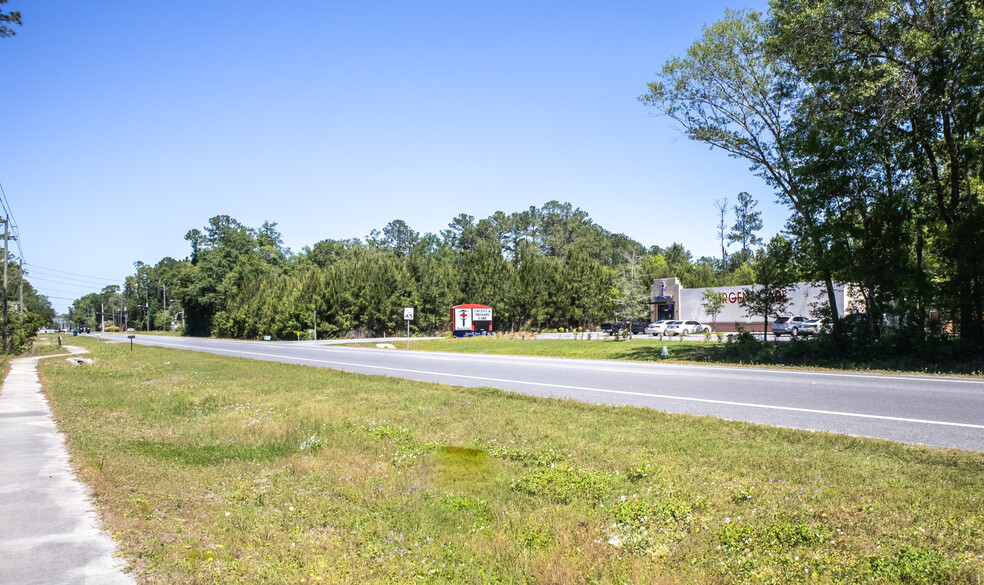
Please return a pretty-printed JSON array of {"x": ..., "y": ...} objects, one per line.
[
  {"x": 691, "y": 352},
  {"x": 216, "y": 454}
]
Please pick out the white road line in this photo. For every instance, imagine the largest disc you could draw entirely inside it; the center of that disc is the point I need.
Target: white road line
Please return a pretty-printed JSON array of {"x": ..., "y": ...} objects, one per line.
[{"x": 626, "y": 392}]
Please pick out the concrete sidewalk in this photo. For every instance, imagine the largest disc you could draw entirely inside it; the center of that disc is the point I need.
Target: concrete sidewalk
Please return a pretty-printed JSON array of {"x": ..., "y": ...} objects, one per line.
[{"x": 49, "y": 531}]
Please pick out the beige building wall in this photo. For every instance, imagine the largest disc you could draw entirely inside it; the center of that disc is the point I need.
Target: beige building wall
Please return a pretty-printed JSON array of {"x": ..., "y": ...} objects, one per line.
[{"x": 688, "y": 303}]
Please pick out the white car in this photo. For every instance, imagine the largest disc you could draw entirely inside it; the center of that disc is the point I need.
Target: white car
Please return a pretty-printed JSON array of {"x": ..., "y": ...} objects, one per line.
[
  {"x": 685, "y": 328},
  {"x": 657, "y": 328},
  {"x": 814, "y": 327}
]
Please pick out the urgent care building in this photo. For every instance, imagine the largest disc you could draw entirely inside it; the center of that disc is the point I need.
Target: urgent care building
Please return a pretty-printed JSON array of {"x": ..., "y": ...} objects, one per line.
[{"x": 669, "y": 301}]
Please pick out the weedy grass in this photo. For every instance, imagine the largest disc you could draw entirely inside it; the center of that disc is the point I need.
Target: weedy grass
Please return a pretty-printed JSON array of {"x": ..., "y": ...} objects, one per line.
[
  {"x": 44, "y": 345},
  {"x": 211, "y": 469}
]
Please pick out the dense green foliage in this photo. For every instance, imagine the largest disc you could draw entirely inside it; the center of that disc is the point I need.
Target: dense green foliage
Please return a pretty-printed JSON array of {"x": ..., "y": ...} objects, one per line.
[
  {"x": 866, "y": 117},
  {"x": 543, "y": 267},
  {"x": 24, "y": 322}
]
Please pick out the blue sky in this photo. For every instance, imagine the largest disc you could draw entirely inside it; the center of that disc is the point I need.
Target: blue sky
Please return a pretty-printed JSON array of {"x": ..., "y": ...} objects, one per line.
[{"x": 126, "y": 124}]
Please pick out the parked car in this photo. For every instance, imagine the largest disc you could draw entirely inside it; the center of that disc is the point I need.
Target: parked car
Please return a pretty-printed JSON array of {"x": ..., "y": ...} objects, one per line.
[
  {"x": 656, "y": 328},
  {"x": 635, "y": 326},
  {"x": 791, "y": 326},
  {"x": 814, "y": 327},
  {"x": 686, "y": 328}
]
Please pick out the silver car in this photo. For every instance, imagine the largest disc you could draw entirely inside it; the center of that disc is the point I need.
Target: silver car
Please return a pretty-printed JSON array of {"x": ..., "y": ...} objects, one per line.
[{"x": 792, "y": 326}]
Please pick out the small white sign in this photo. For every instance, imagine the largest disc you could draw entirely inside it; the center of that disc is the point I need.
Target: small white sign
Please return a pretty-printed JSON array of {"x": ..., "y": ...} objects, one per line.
[
  {"x": 481, "y": 314},
  {"x": 463, "y": 320},
  {"x": 408, "y": 314}
]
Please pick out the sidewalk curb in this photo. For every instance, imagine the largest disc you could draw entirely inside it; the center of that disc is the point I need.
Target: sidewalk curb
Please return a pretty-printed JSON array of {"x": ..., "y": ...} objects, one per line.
[{"x": 52, "y": 533}]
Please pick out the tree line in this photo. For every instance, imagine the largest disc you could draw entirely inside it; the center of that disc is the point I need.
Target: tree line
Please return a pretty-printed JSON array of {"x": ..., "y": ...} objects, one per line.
[
  {"x": 23, "y": 321},
  {"x": 866, "y": 118},
  {"x": 543, "y": 267}
]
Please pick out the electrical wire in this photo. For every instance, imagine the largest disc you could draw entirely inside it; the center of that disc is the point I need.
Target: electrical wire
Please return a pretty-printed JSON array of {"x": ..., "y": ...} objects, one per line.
[
  {"x": 52, "y": 290},
  {"x": 99, "y": 278},
  {"x": 81, "y": 281},
  {"x": 91, "y": 282},
  {"x": 13, "y": 221},
  {"x": 64, "y": 283}
]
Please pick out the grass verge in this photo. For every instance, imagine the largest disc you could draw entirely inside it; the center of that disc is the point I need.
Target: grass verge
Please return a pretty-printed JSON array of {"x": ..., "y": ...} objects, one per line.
[
  {"x": 212, "y": 469},
  {"x": 820, "y": 353}
]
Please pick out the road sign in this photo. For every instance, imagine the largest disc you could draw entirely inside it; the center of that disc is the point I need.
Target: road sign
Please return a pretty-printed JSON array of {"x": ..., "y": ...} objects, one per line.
[{"x": 408, "y": 316}]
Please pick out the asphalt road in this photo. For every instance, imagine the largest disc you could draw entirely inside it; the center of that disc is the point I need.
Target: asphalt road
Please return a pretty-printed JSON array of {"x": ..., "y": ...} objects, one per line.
[{"x": 932, "y": 410}]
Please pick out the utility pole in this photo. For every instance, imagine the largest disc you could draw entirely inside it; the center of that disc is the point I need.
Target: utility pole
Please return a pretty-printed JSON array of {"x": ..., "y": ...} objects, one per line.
[
  {"x": 315, "y": 324},
  {"x": 22, "y": 286},
  {"x": 102, "y": 317},
  {"x": 6, "y": 235}
]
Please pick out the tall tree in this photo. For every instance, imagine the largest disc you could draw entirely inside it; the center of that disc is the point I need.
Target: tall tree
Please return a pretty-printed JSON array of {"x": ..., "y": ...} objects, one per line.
[
  {"x": 722, "y": 229},
  {"x": 748, "y": 221},
  {"x": 773, "y": 275},
  {"x": 902, "y": 79},
  {"x": 457, "y": 234},
  {"x": 633, "y": 298},
  {"x": 730, "y": 91},
  {"x": 399, "y": 237}
]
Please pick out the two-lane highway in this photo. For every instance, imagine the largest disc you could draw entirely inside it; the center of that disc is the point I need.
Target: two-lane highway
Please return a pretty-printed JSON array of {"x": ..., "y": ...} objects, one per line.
[{"x": 932, "y": 410}]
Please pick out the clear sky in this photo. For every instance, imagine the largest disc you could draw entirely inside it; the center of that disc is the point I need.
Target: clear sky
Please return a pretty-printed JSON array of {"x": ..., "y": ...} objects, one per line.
[{"x": 126, "y": 124}]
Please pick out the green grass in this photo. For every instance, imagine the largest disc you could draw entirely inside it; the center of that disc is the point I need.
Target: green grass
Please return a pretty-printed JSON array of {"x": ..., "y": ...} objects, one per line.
[
  {"x": 211, "y": 469},
  {"x": 798, "y": 353}
]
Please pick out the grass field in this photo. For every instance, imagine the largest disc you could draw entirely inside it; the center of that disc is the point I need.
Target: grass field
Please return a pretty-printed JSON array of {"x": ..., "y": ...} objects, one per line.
[
  {"x": 211, "y": 469},
  {"x": 799, "y": 353},
  {"x": 645, "y": 349}
]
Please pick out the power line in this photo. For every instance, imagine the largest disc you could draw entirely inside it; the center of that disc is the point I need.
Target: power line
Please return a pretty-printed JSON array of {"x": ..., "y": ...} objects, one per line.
[
  {"x": 100, "y": 278},
  {"x": 63, "y": 292},
  {"x": 62, "y": 282},
  {"x": 13, "y": 221},
  {"x": 94, "y": 282}
]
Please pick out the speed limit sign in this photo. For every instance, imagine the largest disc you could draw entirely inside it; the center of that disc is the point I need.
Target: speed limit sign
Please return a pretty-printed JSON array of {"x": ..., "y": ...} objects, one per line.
[{"x": 408, "y": 314}]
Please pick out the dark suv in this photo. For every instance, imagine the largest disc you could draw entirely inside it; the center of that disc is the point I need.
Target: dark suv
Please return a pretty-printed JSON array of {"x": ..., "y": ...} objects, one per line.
[{"x": 636, "y": 326}]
